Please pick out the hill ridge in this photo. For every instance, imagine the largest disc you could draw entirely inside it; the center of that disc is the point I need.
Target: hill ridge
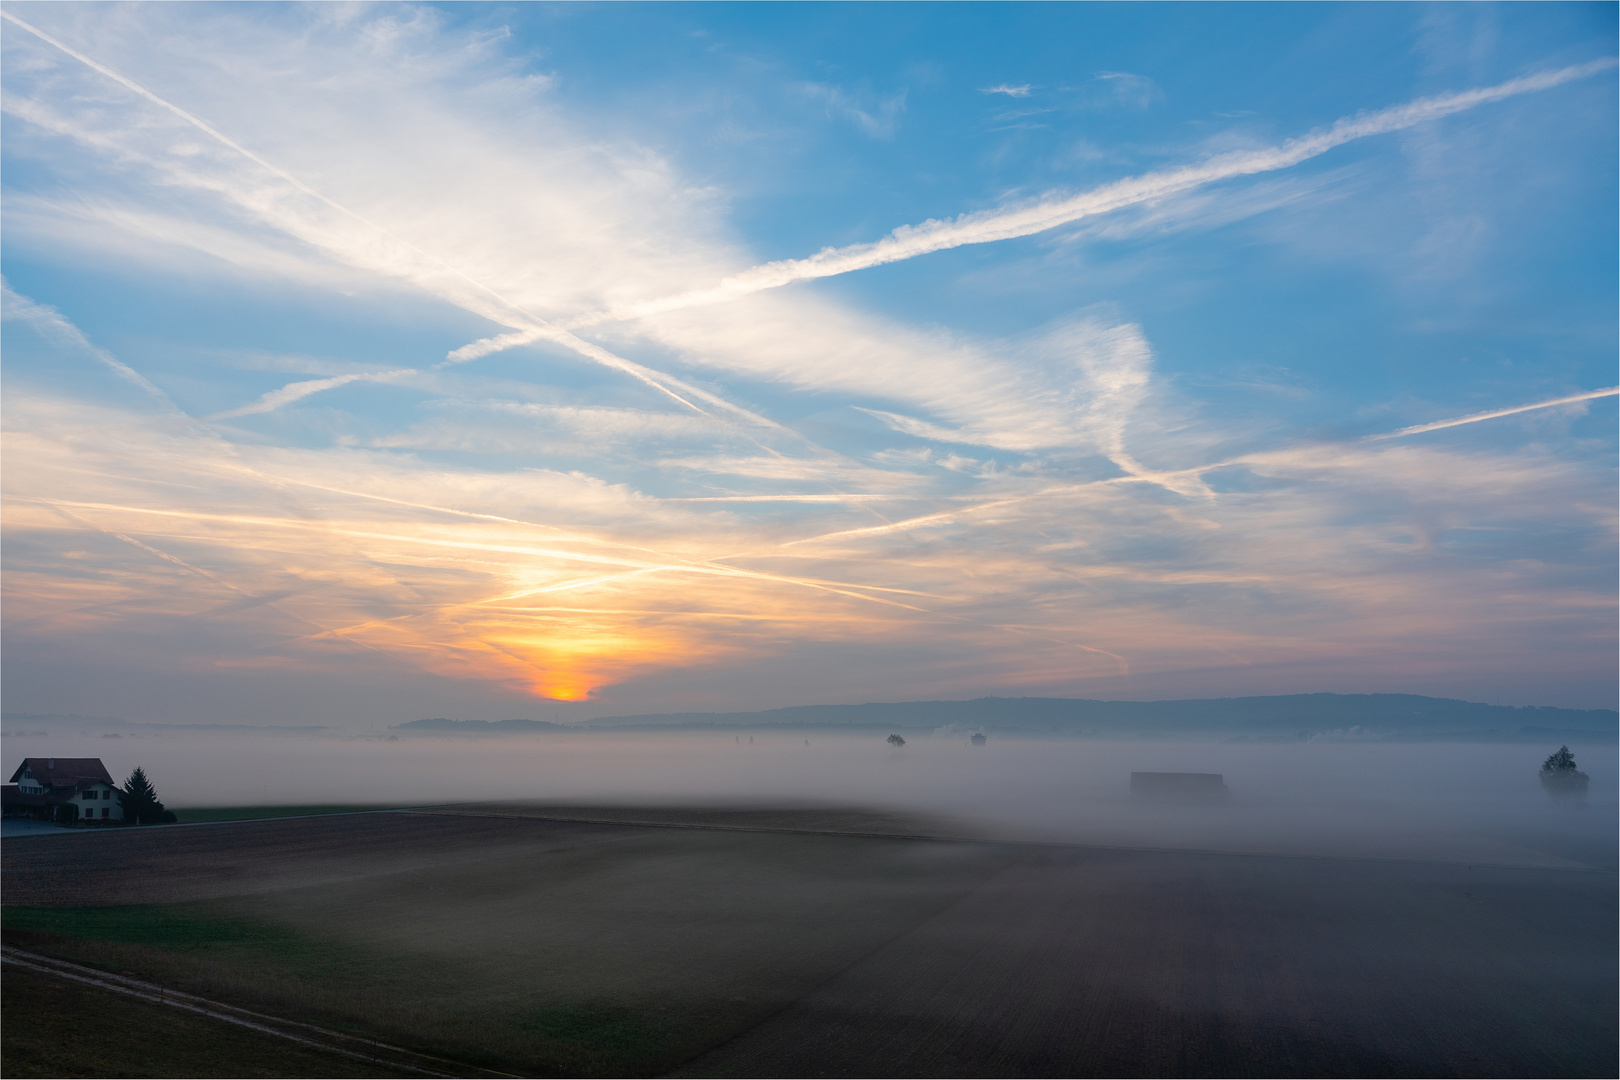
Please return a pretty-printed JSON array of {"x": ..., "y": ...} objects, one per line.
[{"x": 1279, "y": 714}]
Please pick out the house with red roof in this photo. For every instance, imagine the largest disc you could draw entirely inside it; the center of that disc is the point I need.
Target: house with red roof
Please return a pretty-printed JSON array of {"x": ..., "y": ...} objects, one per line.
[{"x": 41, "y": 786}]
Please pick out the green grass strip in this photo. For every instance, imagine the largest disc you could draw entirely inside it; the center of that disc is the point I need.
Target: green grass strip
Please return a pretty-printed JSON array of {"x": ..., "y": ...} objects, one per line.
[{"x": 166, "y": 926}]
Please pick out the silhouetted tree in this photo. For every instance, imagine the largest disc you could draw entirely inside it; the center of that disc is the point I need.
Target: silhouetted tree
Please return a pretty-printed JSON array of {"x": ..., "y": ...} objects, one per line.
[
  {"x": 139, "y": 800},
  {"x": 1560, "y": 776},
  {"x": 895, "y": 740},
  {"x": 1560, "y": 762}
]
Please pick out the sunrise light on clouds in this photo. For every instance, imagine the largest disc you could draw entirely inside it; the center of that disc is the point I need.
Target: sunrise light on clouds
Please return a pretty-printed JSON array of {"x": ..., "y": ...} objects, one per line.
[{"x": 399, "y": 360}]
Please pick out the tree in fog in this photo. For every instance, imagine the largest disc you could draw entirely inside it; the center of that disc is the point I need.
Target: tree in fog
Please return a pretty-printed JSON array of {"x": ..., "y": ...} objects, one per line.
[
  {"x": 139, "y": 800},
  {"x": 895, "y": 740},
  {"x": 1560, "y": 776}
]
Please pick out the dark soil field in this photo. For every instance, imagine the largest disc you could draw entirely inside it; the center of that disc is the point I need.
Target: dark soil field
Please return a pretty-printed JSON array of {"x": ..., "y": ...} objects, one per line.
[
  {"x": 198, "y": 815},
  {"x": 1113, "y": 963},
  {"x": 585, "y": 941}
]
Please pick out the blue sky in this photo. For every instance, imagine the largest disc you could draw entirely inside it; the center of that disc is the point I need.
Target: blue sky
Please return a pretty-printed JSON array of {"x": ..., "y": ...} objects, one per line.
[{"x": 486, "y": 360}]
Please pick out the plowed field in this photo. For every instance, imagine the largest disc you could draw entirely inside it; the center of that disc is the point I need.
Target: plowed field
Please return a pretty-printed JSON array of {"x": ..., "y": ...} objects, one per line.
[{"x": 818, "y": 943}]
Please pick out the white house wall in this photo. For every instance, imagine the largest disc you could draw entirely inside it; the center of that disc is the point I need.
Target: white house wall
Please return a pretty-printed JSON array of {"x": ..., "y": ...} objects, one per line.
[{"x": 93, "y": 800}]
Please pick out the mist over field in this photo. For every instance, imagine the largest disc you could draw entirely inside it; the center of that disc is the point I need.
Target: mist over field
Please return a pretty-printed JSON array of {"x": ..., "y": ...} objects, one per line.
[
  {"x": 688, "y": 539},
  {"x": 1448, "y": 801}
]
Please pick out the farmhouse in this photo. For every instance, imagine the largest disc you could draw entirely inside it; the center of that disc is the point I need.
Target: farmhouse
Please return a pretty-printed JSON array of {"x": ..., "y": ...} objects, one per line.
[{"x": 42, "y": 786}]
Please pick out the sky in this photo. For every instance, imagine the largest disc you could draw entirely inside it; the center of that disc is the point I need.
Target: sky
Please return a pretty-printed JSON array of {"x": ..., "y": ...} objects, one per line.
[{"x": 371, "y": 362}]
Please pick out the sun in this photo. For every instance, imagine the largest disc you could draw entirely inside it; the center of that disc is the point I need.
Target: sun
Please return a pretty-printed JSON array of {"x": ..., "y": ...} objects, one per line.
[{"x": 565, "y": 690}]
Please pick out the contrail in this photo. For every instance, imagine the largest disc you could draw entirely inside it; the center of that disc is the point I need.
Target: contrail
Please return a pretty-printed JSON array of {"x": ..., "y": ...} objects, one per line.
[
  {"x": 48, "y": 320},
  {"x": 625, "y": 566},
  {"x": 204, "y": 126},
  {"x": 296, "y": 391},
  {"x": 206, "y": 575},
  {"x": 532, "y": 327},
  {"x": 1195, "y": 471},
  {"x": 988, "y": 226},
  {"x": 1475, "y": 418}
]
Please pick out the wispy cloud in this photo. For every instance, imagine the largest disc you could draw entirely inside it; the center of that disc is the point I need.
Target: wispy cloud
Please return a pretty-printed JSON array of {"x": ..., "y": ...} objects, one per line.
[
  {"x": 399, "y": 576},
  {"x": 874, "y": 116},
  {"x": 1019, "y": 90},
  {"x": 621, "y": 502},
  {"x": 375, "y": 245},
  {"x": 1027, "y": 219},
  {"x": 1121, "y": 89}
]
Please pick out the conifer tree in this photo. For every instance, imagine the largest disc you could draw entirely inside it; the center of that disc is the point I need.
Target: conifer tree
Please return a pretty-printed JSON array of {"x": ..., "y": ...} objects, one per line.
[{"x": 139, "y": 800}]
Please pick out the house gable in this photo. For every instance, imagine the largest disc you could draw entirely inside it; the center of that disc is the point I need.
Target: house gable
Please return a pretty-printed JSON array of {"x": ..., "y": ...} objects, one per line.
[
  {"x": 50, "y": 773},
  {"x": 84, "y": 783}
]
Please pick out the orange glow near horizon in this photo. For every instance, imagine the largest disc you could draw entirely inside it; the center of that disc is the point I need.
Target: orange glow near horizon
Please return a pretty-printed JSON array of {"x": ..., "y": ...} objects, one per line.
[
  {"x": 321, "y": 571},
  {"x": 466, "y": 599}
]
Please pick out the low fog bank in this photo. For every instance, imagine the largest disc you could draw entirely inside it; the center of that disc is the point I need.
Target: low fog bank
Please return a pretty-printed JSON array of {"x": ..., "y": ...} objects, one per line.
[
  {"x": 1410, "y": 717},
  {"x": 1451, "y": 801}
]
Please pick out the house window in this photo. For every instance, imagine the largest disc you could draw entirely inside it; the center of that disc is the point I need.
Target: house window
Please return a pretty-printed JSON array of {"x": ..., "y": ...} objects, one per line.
[{"x": 106, "y": 811}]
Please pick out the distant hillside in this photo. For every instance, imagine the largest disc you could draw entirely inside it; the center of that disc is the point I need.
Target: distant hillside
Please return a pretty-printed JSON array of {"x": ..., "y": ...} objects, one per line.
[
  {"x": 1285, "y": 716},
  {"x": 441, "y": 726},
  {"x": 65, "y": 723}
]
